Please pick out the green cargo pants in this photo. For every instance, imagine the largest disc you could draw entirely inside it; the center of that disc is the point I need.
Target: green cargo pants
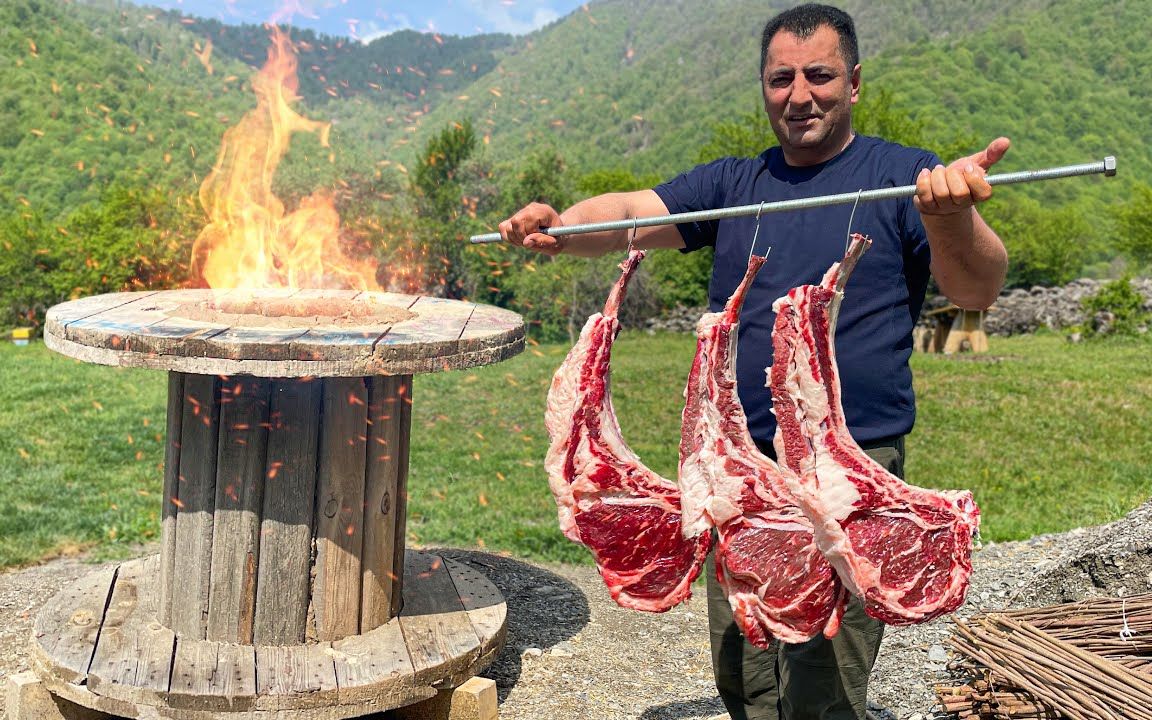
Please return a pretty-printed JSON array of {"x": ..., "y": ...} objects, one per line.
[{"x": 820, "y": 679}]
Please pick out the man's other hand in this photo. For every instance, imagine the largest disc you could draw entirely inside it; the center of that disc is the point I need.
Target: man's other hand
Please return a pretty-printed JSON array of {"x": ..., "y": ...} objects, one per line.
[
  {"x": 961, "y": 185},
  {"x": 524, "y": 229}
]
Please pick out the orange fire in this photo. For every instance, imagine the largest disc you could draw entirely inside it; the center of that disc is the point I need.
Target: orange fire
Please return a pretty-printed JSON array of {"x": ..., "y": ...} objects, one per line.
[{"x": 251, "y": 241}]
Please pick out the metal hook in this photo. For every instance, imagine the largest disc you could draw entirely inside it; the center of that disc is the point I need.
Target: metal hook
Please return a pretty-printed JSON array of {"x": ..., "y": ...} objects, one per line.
[
  {"x": 848, "y": 240},
  {"x": 756, "y": 234},
  {"x": 632, "y": 239}
]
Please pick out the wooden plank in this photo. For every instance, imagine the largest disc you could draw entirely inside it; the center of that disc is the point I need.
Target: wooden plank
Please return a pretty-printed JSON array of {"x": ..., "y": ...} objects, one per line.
[
  {"x": 348, "y": 343},
  {"x": 67, "y": 628},
  {"x": 253, "y": 343},
  {"x": 490, "y": 327},
  {"x": 295, "y": 677},
  {"x": 404, "y": 437},
  {"x": 340, "y": 508},
  {"x": 435, "y": 332},
  {"x": 133, "y": 658},
  {"x": 239, "y": 499},
  {"x": 171, "y": 494},
  {"x": 192, "y": 569},
  {"x": 208, "y": 675},
  {"x": 116, "y": 326},
  {"x": 437, "y": 630},
  {"x": 61, "y": 315},
  {"x": 286, "y": 526},
  {"x": 373, "y": 665},
  {"x": 484, "y": 604},
  {"x": 383, "y": 503}
]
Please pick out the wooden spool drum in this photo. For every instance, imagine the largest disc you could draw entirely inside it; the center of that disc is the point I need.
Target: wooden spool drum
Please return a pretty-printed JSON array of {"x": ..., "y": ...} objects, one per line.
[{"x": 283, "y": 586}]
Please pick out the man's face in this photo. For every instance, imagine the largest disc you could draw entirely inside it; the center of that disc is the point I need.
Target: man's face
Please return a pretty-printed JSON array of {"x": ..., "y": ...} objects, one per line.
[{"x": 809, "y": 94}]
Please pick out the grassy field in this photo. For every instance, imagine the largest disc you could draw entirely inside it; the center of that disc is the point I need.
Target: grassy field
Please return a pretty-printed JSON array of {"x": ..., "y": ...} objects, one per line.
[{"x": 1048, "y": 435}]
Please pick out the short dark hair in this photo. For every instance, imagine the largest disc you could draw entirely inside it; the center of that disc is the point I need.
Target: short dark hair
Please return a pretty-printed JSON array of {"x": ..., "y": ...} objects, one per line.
[{"x": 803, "y": 21}]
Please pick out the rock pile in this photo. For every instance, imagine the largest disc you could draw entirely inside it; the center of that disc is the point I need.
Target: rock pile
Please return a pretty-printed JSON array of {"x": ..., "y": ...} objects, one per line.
[
  {"x": 1017, "y": 312},
  {"x": 1020, "y": 311}
]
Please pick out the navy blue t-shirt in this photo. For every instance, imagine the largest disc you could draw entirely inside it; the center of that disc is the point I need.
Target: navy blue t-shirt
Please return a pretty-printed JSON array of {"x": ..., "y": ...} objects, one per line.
[{"x": 884, "y": 294}]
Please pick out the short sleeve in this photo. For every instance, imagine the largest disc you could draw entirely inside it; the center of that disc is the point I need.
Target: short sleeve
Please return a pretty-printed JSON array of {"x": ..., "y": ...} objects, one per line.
[{"x": 701, "y": 188}]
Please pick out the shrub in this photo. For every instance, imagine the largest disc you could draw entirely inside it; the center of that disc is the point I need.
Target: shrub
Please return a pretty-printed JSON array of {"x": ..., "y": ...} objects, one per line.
[{"x": 1117, "y": 308}]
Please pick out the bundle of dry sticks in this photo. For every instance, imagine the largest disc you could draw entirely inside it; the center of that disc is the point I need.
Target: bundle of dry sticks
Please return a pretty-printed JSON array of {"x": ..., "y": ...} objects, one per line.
[{"x": 1089, "y": 660}]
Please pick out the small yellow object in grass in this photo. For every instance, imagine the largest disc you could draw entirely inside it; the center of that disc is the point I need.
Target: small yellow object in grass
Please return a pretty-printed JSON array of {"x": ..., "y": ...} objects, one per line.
[{"x": 20, "y": 336}]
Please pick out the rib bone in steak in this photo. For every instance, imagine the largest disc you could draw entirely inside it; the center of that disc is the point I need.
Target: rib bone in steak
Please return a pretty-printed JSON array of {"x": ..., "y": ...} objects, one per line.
[
  {"x": 775, "y": 578},
  {"x": 905, "y": 550},
  {"x": 627, "y": 515}
]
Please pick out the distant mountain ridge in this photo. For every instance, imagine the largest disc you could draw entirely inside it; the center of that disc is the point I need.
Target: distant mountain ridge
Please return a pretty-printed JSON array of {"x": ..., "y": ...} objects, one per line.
[
  {"x": 96, "y": 90},
  {"x": 640, "y": 83}
]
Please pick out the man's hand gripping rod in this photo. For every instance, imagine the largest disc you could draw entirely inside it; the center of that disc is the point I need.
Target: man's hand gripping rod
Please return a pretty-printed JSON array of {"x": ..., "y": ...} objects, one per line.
[{"x": 1107, "y": 167}]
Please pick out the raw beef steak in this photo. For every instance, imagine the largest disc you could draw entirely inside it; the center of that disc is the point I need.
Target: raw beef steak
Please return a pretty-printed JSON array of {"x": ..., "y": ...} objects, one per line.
[
  {"x": 627, "y": 515},
  {"x": 905, "y": 550},
  {"x": 777, "y": 581}
]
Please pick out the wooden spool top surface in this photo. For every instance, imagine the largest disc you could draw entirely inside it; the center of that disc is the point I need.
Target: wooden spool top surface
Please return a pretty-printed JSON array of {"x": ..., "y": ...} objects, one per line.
[{"x": 283, "y": 333}]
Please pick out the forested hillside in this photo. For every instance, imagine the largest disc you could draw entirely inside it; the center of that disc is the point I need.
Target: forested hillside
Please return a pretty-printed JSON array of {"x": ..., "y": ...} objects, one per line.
[
  {"x": 406, "y": 68},
  {"x": 112, "y": 115},
  {"x": 641, "y": 83}
]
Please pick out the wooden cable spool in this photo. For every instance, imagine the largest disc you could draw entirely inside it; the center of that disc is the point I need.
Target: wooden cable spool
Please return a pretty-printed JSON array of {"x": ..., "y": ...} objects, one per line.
[{"x": 283, "y": 586}]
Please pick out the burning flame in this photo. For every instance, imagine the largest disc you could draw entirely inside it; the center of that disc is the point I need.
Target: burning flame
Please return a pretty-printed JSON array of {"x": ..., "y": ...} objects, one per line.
[{"x": 250, "y": 241}]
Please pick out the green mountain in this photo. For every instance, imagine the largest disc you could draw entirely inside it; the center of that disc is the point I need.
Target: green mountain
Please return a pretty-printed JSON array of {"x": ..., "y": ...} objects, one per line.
[
  {"x": 102, "y": 92},
  {"x": 640, "y": 84},
  {"x": 405, "y": 68}
]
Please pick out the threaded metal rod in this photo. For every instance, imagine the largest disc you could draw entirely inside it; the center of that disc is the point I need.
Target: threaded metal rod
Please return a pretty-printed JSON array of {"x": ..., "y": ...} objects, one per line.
[{"x": 1107, "y": 167}]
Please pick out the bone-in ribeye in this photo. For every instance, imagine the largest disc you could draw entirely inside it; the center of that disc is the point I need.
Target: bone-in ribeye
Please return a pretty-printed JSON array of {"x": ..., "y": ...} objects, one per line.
[
  {"x": 905, "y": 550},
  {"x": 775, "y": 578},
  {"x": 627, "y": 515}
]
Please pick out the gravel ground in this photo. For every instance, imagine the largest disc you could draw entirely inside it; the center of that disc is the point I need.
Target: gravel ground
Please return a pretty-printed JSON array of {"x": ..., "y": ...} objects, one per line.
[{"x": 572, "y": 654}]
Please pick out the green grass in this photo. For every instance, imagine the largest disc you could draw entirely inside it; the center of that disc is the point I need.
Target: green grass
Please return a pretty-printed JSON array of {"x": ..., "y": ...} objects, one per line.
[{"x": 1048, "y": 435}]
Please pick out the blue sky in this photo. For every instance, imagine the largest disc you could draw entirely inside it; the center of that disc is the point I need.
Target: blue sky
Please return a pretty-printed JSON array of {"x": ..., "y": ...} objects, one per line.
[{"x": 368, "y": 19}]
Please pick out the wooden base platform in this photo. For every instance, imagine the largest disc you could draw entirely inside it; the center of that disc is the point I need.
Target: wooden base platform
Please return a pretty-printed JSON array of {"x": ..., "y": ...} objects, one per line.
[{"x": 99, "y": 645}]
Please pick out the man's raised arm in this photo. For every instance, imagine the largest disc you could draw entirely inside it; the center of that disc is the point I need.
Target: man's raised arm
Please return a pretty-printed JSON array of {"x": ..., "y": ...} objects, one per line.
[
  {"x": 524, "y": 228},
  {"x": 969, "y": 261}
]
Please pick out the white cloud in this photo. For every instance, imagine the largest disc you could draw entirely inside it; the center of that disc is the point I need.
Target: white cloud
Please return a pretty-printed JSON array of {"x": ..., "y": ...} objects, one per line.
[
  {"x": 517, "y": 18},
  {"x": 370, "y": 30}
]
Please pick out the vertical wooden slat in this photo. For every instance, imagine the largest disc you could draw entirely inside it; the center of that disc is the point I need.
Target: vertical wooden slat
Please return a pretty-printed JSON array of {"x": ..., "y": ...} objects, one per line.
[
  {"x": 239, "y": 496},
  {"x": 340, "y": 508},
  {"x": 404, "y": 404},
  {"x": 191, "y": 574},
  {"x": 382, "y": 501},
  {"x": 171, "y": 495},
  {"x": 282, "y": 585}
]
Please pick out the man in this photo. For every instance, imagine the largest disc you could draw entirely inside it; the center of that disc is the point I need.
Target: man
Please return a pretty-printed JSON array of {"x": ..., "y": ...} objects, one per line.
[{"x": 810, "y": 76}]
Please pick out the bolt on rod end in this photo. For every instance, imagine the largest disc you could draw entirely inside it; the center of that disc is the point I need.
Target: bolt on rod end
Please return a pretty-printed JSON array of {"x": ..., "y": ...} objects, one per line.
[{"x": 1110, "y": 166}]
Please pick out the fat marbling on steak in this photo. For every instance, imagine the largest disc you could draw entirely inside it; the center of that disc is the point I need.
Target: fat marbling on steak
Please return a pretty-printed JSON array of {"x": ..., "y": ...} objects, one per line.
[
  {"x": 776, "y": 580},
  {"x": 626, "y": 514},
  {"x": 905, "y": 550}
]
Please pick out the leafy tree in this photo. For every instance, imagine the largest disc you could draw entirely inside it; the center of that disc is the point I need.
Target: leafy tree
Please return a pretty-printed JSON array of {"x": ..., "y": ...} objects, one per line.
[
  {"x": 617, "y": 180},
  {"x": 131, "y": 239},
  {"x": 1046, "y": 246},
  {"x": 1135, "y": 225},
  {"x": 747, "y": 135},
  {"x": 440, "y": 199},
  {"x": 673, "y": 278}
]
